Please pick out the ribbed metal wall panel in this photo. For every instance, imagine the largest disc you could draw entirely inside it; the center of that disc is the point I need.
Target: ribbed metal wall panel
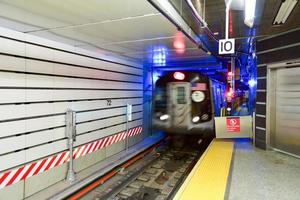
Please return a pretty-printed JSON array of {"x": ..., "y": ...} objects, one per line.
[
  {"x": 41, "y": 79},
  {"x": 283, "y": 47}
]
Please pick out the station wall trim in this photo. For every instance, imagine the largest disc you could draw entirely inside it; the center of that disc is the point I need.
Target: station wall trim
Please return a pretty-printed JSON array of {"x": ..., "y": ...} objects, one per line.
[
  {"x": 66, "y": 51},
  {"x": 13, "y": 118},
  {"x": 65, "y": 64},
  {"x": 72, "y": 101},
  {"x": 13, "y": 148},
  {"x": 31, "y": 169},
  {"x": 21, "y": 173}
]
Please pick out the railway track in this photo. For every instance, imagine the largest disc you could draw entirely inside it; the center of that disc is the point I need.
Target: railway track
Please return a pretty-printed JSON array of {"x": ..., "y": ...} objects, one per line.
[{"x": 155, "y": 176}]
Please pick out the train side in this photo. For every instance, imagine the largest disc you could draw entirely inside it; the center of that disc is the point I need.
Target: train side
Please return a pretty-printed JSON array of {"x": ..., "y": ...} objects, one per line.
[{"x": 186, "y": 103}]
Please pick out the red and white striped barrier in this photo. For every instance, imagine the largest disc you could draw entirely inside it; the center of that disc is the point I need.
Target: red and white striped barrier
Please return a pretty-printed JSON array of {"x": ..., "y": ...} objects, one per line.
[{"x": 21, "y": 173}]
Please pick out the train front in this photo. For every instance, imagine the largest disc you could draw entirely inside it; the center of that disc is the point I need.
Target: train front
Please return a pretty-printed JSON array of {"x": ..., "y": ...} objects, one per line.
[{"x": 183, "y": 104}]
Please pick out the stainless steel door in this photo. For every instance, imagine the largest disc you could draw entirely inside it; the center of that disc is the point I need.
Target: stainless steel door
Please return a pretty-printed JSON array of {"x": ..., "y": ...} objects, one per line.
[
  {"x": 287, "y": 106},
  {"x": 179, "y": 95}
]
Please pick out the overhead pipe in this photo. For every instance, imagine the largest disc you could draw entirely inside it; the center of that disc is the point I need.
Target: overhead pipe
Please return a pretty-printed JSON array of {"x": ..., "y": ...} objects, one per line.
[
  {"x": 200, "y": 46},
  {"x": 200, "y": 19},
  {"x": 195, "y": 13},
  {"x": 205, "y": 25},
  {"x": 228, "y": 4}
]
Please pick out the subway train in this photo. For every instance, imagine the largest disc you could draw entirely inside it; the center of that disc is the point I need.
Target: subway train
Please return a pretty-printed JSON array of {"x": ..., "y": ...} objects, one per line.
[{"x": 186, "y": 102}]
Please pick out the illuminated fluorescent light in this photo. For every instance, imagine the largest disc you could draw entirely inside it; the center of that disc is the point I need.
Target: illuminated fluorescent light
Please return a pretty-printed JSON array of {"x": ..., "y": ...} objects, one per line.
[
  {"x": 249, "y": 12},
  {"x": 252, "y": 82},
  {"x": 284, "y": 11}
]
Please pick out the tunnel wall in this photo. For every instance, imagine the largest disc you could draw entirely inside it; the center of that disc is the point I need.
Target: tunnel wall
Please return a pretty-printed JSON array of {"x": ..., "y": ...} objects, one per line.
[
  {"x": 39, "y": 80},
  {"x": 279, "y": 48}
]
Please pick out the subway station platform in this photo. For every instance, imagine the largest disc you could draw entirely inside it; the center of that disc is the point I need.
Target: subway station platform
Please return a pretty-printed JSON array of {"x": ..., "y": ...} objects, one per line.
[
  {"x": 235, "y": 170},
  {"x": 85, "y": 86}
]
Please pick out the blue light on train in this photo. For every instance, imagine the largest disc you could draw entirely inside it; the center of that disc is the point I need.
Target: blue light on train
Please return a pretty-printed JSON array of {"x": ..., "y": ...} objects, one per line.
[
  {"x": 252, "y": 82},
  {"x": 155, "y": 76},
  {"x": 159, "y": 56}
]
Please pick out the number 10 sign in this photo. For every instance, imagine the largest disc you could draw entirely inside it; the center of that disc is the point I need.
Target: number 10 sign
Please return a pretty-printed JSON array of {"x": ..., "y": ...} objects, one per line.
[{"x": 226, "y": 46}]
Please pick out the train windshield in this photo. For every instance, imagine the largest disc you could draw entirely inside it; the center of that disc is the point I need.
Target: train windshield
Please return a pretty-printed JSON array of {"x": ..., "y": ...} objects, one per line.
[
  {"x": 160, "y": 98},
  {"x": 181, "y": 95}
]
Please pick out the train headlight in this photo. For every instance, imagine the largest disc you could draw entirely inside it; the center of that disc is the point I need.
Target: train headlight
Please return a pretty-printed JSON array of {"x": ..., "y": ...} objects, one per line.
[
  {"x": 195, "y": 119},
  {"x": 164, "y": 117},
  {"x": 204, "y": 117},
  {"x": 198, "y": 96},
  {"x": 179, "y": 76}
]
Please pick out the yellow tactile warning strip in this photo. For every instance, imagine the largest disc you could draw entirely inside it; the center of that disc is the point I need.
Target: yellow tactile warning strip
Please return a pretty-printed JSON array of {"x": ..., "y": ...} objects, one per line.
[{"x": 208, "y": 179}]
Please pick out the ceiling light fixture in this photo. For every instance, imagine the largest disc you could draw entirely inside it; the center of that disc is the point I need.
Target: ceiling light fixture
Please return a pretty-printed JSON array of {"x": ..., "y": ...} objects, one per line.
[
  {"x": 284, "y": 11},
  {"x": 249, "y": 12}
]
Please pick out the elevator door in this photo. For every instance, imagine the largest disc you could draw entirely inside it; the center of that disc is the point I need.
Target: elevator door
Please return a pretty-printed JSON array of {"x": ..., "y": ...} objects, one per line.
[{"x": 287, "y": 127}]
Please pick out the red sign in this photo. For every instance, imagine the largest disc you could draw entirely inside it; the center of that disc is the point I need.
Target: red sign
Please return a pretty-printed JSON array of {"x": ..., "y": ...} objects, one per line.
[{"x": 233, "y": 124}]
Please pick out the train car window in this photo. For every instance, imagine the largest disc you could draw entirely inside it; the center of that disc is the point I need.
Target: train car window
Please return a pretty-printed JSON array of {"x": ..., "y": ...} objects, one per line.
[{"x": 181, "y": 95}]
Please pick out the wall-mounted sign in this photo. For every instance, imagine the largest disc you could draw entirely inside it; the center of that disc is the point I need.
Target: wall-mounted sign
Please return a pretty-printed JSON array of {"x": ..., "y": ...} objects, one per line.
[
  {"x": 129, "y": 112},
  {"x": 233, "y": 124},
  {"x": 226, "y": 46}
]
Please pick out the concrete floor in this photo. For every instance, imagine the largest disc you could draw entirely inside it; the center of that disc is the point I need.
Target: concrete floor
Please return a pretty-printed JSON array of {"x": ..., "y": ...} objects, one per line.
[{"x": 263, "y": 175}]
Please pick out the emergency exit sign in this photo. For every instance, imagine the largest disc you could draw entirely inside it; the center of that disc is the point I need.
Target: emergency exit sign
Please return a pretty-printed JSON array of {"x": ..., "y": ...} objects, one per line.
[{"x": 226, "y": 46}]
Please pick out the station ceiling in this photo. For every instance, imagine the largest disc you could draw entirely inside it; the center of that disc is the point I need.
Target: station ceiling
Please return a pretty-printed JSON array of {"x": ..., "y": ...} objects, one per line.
[
  {"x": 270, "y": 9},
  {"x": 133, "y": 29}
]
